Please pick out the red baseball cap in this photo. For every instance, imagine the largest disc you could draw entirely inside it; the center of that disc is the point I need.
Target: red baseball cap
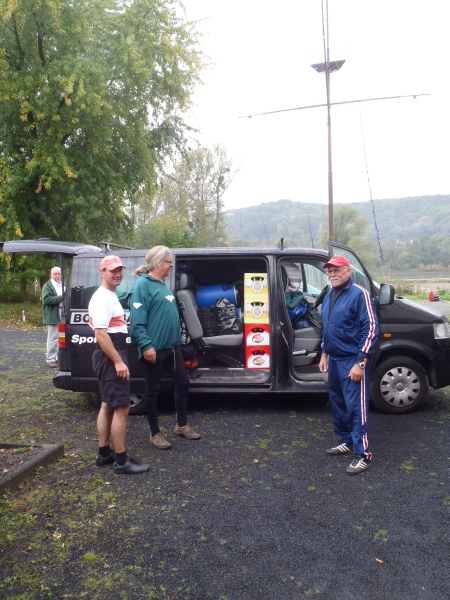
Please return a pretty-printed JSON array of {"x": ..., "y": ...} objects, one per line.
[
  {"x": 111, "y": 262},
  {"x": 337, "y": 261}
]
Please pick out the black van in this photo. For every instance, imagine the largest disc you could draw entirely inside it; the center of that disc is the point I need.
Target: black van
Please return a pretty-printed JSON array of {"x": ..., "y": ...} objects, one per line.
[{"x": 269, "y": 355}]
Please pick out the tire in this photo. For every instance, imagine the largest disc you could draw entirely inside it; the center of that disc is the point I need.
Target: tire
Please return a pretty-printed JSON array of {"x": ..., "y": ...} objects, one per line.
[
  {"x": 399, "y": 385},
  {"x": 137, "y": 404}
]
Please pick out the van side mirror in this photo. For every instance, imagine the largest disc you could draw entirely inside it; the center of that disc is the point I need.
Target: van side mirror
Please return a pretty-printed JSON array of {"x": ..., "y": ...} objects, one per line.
[{"x": 387, "y": 294}]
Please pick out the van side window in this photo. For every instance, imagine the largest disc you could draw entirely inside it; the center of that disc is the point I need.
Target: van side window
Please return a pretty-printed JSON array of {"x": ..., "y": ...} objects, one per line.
[
  {"x": 315, "y": 278},
  {"x": 358, "y": 274}
]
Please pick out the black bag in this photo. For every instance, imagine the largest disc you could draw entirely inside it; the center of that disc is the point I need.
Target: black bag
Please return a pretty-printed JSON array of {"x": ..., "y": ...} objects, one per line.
[
  {"x": 207, "y": 318},
  {"x": 185, "y": 337},
  {"x": 227, "y": 318}
]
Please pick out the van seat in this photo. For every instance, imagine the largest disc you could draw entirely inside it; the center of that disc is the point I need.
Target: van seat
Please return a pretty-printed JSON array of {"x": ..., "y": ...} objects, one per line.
[{"x": 307, "y": 339}]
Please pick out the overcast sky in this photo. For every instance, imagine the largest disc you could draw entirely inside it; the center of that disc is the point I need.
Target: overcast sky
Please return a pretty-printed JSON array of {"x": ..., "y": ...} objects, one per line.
[{"x": 262, "y": 54}]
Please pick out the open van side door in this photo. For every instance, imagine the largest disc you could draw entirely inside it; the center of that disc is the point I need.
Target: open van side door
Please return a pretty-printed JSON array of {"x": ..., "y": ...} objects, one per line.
[{"x": 359, "y": 272}]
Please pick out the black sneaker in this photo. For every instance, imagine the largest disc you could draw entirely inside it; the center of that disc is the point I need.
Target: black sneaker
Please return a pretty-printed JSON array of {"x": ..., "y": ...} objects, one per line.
[
  {"x": 131, "y": 467},
  {"x": 358, "y": 465},
  {"x": 101, "y": 461},
  {"x": 341, "y": 449}
]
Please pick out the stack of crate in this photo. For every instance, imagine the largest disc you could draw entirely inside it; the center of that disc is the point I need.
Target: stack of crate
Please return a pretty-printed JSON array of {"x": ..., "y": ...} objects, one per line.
[{"x": 256, "y": 321}]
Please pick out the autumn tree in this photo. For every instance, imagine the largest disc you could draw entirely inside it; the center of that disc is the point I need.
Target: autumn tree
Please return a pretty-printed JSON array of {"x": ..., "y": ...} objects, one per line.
[
  {"x": 194, "y": 191},
  {"x": 91, "y": 103}
]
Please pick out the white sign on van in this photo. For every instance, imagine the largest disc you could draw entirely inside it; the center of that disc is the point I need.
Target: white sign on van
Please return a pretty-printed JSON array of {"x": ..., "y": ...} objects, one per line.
[
  {"x": 83, "y": 339},
  {"x": 81, "y": 317}
]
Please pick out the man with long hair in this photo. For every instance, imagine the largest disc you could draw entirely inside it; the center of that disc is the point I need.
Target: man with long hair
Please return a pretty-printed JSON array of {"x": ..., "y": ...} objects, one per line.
[{"x": 155, "y": 330}]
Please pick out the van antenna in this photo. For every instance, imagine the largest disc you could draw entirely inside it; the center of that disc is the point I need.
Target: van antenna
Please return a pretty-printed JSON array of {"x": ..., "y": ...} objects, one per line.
[
  {"x": 264, "y": 225},
  {"x": 310, "y": 231},
  {"x": 289, "y": 218}
]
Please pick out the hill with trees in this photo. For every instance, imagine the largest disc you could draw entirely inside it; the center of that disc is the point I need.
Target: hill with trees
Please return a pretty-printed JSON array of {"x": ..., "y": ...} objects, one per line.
[{"x": 413, "y": 231}]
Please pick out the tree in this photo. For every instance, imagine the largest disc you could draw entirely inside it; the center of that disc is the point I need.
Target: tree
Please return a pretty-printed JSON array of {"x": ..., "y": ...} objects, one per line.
[
  {"x": 172, "y": 231},
  {"x": 91, "y": 102},
  {"x": 350, "y": 230},
  {"x": 194, "y": 191}
]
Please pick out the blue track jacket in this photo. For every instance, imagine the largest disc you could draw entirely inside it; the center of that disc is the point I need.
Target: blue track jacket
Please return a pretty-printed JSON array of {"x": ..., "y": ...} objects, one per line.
[{"x": 352, "y": 327}]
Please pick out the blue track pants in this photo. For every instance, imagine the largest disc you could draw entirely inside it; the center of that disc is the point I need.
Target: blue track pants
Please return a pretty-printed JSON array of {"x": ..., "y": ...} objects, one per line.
[{"x": 350, "y": 402}]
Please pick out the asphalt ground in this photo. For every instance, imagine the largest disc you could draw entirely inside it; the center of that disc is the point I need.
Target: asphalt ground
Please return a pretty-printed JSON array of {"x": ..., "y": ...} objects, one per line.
[{"x": 254, "y": 510}]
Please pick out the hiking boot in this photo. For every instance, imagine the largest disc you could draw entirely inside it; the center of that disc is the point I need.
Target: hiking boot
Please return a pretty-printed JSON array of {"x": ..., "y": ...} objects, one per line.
[
  {"x": 159, "y": 441},
  {"x": 131, "y": 467},
  {"x": 187, "y": 432},
  {"x": 341, "y": 449},
  {"x": 358, "y": 465},
  {"x": 101, "y": 461}
]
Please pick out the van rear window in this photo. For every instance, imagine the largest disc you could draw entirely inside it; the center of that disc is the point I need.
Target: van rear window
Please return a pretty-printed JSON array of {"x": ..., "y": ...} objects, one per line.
[{"x": 85, "y": 279}]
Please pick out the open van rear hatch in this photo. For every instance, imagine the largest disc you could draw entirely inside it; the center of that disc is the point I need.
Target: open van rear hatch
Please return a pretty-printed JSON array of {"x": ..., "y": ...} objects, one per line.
[
  {"x": 47, "y": 246},
  {"x": 44, "y": 245}
]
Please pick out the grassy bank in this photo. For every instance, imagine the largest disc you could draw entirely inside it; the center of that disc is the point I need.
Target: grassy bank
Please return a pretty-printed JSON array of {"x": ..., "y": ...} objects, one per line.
[
  {"x": 419, "y": 290},
  {"x": 12, "y": 312}
]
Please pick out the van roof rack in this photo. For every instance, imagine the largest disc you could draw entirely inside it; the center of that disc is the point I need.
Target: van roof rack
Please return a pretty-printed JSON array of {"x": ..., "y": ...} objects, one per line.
[{"x": 107, "y": 246}]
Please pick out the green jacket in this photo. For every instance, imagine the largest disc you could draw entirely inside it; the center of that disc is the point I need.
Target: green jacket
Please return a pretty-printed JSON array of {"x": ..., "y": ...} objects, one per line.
[
  {"x": 154, "y": 318},
  {"x": 50, "y": 304}
]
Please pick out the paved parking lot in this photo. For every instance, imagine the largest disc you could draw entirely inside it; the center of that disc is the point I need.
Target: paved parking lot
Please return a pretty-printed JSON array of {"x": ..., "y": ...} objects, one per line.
[{"x": 253, "y": 510}]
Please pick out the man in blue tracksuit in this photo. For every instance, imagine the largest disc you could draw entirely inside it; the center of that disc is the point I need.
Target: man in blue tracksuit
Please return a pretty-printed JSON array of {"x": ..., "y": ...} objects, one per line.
[{"x": 350, "y": 329}]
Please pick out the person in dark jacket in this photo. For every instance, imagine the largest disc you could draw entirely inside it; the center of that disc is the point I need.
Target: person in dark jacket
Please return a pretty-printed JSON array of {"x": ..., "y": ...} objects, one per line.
[
  {"x": 155, "y": 330},
  {"x": 52, "y": 296},
  {"x": 350, "y": 329}
]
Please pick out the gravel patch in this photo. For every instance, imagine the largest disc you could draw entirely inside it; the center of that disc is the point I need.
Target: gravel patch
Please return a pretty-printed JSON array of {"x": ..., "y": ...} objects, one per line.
[{"x": 255, "y": 509}]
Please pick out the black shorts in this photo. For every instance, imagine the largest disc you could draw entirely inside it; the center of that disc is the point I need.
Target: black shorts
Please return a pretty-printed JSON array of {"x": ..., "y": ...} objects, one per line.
[{"x": 113, "y": 390}]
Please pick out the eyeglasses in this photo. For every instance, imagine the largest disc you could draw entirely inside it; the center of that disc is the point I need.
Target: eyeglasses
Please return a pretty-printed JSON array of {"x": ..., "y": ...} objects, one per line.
[{"x": 169, "y": 262}]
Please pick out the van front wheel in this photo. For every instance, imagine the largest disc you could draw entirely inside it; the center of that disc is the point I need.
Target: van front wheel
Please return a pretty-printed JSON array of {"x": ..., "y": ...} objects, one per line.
[{"x": 398, "y": 385}]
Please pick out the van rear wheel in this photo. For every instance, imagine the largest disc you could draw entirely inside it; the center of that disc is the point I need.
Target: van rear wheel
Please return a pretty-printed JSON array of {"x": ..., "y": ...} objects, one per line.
[
  {"x": 398, "y": 385},
  {"x": 137, "y": 404}
]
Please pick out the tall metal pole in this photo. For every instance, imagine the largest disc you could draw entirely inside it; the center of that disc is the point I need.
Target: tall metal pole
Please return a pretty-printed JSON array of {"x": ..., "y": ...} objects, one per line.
[
  {"x": 330, "y": 168},
  {"x": 329, "y": 67}
]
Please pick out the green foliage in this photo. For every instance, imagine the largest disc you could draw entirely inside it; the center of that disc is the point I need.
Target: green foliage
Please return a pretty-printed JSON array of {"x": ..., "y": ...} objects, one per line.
[
  {"x": 90, "y": 105},
  {"x": 348, "y": 224},
  {"x": 18, "y": 276},
  {"x": 172, "y": 231},
  {"x": 426, "y": 252},
  {"x": 191, "y": 198}
]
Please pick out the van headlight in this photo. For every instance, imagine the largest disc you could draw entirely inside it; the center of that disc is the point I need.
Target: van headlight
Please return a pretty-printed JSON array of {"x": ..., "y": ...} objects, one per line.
[{"x": 441, "y": 330}]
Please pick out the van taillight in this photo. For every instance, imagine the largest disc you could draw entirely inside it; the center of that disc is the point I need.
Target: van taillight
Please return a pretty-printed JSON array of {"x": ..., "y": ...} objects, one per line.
[{"x": 62, "y": 335}]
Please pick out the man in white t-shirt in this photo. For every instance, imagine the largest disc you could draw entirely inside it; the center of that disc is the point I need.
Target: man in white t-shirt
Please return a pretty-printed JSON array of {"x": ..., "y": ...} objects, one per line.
[{"x": 110, "y": 362}]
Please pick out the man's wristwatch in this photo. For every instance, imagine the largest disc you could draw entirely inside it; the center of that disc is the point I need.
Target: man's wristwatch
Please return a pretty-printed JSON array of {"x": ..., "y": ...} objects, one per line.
[{"x": 361, "y": 362}]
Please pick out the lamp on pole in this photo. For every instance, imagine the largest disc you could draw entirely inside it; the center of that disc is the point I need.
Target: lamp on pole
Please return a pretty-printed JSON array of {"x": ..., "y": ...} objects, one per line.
[{"x": 328, "y": 67}]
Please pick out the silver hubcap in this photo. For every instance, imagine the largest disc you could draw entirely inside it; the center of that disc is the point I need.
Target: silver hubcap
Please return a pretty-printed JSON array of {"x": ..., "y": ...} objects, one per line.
[
  {"x": 136, "y": 399},
  {"x": 400, "y": 386}
]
